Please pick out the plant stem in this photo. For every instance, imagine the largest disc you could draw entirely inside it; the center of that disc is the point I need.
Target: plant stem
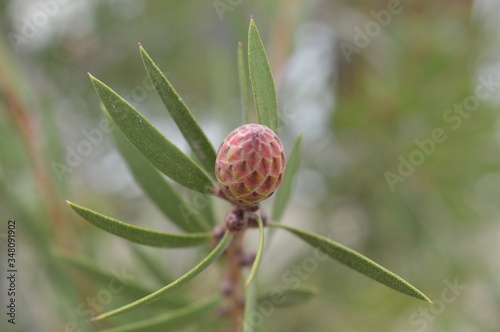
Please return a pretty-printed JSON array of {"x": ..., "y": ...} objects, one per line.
[
  {"x": 232, "y": 285},
  {"x": 17, "y": 107}
]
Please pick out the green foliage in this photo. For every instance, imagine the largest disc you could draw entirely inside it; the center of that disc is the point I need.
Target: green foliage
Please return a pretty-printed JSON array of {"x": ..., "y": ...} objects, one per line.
[
  {"x": 260, "y": 250},
  {"x": 250, "y": 307},
  {"x": 288, "y": 297},
  {"x": 158, "y": 189},
  {"x": 357, "y": 262},
  {"x": 374, "y": 104},
  {"x": 97, "y": 273},
  {"x": 146, "y": 151},
  {"x": 139, "y": 234},
  {"x": 261, "y": 77},
  {"x": 243, "y": 80},
  {"x": 151, "y": 264},
  {"x": 162, "y": 153},
  {"x": 181, "y": 114},
  {"x": 284, "y": 191},
  {"x": 153, "y": 297},
  {"x": 181, "y": 317}
]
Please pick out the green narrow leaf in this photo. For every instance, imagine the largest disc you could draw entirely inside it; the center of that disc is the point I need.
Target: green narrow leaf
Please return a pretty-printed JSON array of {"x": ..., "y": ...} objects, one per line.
[
  {"x": 89, "y": 267},
  {"x": 152, "y": 264},
  {"x": 285, "y": 189},
  {"x": 245, "y": 105},
  {"x": 139, "y": 234},
  {"x": 203, "y": 205},
  {"x": 158, "y": 189},
  {"x": 170, "y": 320},
  {"x": 250, "y": 308},
  {"x": 181, "y": 114},
  {"x": 357, "y": 262},
  {"x": 162, "y": 153},
  {"x": 285, "y": 298},
  {"x": 216, "y": 252},
  {"x": 260, "y": 249},
  {"x": 53, "y": 144},
  {"x": 264, "y": 92}
]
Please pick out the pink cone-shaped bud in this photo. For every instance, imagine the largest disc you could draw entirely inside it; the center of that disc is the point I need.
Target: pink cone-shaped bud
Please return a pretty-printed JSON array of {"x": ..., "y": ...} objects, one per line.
[{"x": 250, "y": 164}]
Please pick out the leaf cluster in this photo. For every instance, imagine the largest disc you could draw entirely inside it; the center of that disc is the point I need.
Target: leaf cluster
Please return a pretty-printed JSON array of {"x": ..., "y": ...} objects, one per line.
[{"x": 152, "y": 158}]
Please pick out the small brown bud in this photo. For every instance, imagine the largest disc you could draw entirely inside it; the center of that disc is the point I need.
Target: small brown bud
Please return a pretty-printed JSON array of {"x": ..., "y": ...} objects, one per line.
[
  {"x": 227, "y": 288},
  {"x": 247, "y": 259},
  {"x": 235, "y": 220}
]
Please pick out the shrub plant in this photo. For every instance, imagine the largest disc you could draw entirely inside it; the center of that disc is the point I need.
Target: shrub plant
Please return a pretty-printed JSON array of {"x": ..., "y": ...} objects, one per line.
[{"x": 249, "y": 166}]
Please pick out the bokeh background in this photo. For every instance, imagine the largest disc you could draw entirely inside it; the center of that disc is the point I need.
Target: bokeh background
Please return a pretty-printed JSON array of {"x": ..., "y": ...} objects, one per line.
[{"x": 362, "y": 95}]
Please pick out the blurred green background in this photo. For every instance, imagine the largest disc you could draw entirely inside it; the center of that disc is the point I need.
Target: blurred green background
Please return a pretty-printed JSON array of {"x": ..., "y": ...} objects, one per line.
[{"x": 364, "y": 80}]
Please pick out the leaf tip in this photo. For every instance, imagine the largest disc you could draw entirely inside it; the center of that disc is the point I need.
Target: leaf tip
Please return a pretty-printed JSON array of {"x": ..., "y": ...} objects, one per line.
[
  {"x": 141, "y": 48},
  {"x": 94, "y": 319},
  {"x": 425, "y": 298},
  {"x": 94, "y": 80},
  {"x": 240, "y": 46}
]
